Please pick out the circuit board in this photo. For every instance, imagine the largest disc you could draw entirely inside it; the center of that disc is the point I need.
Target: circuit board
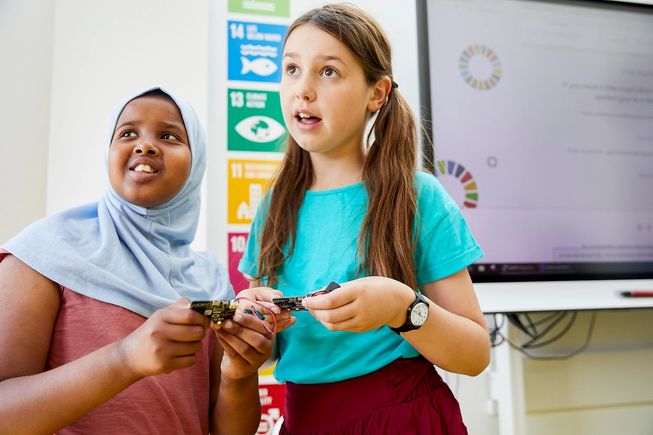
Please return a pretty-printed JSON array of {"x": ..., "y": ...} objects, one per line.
[
  {"x": 294, "y": 303},
  {"x": 218, "y": 311}
]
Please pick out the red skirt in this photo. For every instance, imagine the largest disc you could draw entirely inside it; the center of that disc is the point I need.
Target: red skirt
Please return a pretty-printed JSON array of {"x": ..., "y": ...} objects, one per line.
[{"x": 405, "y": 397}]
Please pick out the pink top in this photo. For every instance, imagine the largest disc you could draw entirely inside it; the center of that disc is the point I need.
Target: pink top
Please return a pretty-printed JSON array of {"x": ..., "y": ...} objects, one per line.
[{"x": 176, "y": 403}]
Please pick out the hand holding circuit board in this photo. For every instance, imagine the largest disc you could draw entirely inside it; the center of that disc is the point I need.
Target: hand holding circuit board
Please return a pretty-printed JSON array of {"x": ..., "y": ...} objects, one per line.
[
  {"x": 219, "y": 311},
  {"x": 294, "y": 303}
]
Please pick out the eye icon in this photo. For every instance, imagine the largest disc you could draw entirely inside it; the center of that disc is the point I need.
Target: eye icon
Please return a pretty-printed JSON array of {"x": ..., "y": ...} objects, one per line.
[{"x": 260, "y": 129}]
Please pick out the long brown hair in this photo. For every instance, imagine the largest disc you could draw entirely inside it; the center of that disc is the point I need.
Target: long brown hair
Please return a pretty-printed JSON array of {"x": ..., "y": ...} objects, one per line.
[{"x": 387, "y": 238}]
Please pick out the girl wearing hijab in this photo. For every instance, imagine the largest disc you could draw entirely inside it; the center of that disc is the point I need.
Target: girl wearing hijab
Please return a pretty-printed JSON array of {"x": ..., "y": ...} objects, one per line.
[{"x": 96, "y": 334}]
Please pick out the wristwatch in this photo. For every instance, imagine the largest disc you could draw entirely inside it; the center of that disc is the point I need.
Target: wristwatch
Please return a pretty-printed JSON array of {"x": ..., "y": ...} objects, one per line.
[{"x": 416, "y": 315}]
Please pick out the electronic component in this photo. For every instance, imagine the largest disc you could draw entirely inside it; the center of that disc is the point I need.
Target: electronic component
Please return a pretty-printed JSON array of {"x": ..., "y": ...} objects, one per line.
[
  {"x": 218, "y": 311},
  {"x": 253, "y": 311},
  {"x": 294, "y": 303}
]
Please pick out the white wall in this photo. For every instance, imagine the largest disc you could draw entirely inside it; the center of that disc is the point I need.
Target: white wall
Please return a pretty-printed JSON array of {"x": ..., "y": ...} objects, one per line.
[
  {"x": 103, "y": 52},
  {"x": 25, "y": 77}
]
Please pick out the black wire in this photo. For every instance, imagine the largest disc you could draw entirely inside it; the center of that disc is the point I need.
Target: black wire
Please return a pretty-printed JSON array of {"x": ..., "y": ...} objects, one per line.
[
  {"x": 547, "y": 318},
  {"x": 590, "y": 331},
  {"x": 496, "y": 331},
  {"x": 546, "y": 330},
  {"x": 531, "y": 330},
  {"x": 516, "y": 321},
  {"x": 531, "y": 324},
  {"x": 557, "y": 337}
]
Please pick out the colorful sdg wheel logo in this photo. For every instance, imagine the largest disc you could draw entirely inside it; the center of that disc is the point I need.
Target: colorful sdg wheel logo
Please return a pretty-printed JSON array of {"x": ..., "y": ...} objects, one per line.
[
  {"x": 445, "y": 169},
  {"x": 480, "y": 67}
]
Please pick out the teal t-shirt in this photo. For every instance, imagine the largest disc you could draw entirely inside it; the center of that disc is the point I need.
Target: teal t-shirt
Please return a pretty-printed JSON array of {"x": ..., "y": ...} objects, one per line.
[{"x": 328, "y": 227}]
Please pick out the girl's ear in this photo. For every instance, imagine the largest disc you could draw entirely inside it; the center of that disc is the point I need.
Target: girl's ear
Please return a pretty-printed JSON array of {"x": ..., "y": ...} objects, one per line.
[{"x": 380, "y": 92}]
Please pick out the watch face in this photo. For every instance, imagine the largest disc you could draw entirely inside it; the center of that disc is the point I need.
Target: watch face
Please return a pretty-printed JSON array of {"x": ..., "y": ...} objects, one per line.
[{"x": 419, "y": 314}]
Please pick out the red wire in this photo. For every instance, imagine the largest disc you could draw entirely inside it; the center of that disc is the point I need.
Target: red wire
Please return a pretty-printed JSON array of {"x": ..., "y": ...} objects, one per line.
[{"x": 266, "y": 309}]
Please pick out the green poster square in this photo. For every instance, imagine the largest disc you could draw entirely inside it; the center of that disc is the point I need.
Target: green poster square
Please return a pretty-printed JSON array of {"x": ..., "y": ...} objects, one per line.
[
  {"x": 271, "y": 8},
  {"x": 255, "y": 121}
]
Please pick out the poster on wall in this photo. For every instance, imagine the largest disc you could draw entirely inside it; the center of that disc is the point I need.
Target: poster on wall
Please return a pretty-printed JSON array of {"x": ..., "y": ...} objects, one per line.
[
  {"x": 254, "y": 51},
  {"x": 254, "y": 121},
  {"x": 247, "y": 181},
  {"x": 272, "y": 8},
  {"x": 273, "y": 400},
  {"x": 237, "y": 243},
  {"x": 272, "y": 404},
  {"x": 254, "y": 124}
]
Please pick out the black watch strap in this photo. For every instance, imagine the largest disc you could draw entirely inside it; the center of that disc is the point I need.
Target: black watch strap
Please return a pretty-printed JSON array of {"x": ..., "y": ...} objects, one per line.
[{"x": 408, "y": 324}]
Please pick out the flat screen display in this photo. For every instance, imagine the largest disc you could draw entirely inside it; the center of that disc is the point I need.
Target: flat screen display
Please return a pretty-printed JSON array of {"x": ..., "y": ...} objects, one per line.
[{"x": 542, "y": 125}]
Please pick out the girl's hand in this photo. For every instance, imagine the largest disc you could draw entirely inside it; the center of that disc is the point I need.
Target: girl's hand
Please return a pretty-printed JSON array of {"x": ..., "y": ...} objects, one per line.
[
  {"x": 362, "y": 304},
  {"x": 247, "y": 344},
  {"x": 166, "y": 342},
  {"x": 262, "y": 296},
  {"x": 265, "y": 294}
]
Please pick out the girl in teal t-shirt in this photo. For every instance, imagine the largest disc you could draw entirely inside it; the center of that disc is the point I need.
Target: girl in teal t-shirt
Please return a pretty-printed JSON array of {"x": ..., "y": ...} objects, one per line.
[{"x": 355, "y": 210}]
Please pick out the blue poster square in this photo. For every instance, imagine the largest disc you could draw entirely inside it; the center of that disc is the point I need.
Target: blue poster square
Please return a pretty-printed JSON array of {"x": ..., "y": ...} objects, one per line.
[{"x": 255, "y": 51}]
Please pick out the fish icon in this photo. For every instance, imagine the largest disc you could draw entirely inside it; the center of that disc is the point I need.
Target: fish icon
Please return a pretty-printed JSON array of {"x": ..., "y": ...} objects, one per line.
[
  {"x": 260, "y": 129},
  {"x": 259, "y": 66}
]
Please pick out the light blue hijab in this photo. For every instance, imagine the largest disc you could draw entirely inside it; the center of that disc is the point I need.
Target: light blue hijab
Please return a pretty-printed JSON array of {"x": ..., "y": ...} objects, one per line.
[{"x": 134, "y": 257}]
